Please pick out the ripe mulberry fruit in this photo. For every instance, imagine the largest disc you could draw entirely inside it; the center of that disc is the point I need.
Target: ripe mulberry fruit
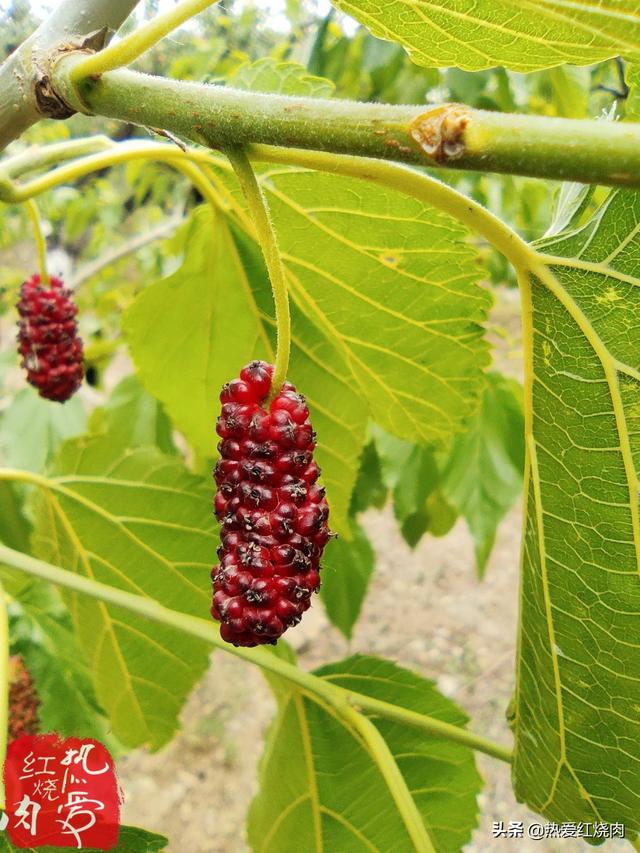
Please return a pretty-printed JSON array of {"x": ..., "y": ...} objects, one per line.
[
  {"x": 273, "y": 512},
  {"x": 23, "y": 701},
  {"x": 48, "y": 338}
]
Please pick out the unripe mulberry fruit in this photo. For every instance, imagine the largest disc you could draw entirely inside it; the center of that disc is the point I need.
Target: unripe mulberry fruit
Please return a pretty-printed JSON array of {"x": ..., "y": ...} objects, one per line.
[
  {"x": 272, "y": 511},
  {"x": 48, "y": 338},
  {"x": 23, "y": 701}
]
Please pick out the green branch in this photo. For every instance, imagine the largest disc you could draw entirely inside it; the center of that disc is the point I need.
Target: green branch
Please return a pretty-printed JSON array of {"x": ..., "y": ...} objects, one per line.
[
  {"x": 344, "y": 702},
  {"x": 268, "y": 241},
  {"x": 447, "y": 136}
]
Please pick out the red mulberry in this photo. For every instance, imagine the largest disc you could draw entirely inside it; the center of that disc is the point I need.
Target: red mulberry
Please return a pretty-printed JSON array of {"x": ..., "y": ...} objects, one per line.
[
  {"x": 23, "y": 701},
  {"x": 48, "y": 338},
  {"x": 273, "y": 512}
]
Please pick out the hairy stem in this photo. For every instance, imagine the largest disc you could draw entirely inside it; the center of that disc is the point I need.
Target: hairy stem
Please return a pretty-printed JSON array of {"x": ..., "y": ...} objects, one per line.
[
  {"x": 38, "y": 236},
  {"x": 141, "y": 40},
  {"x": 268, "y": 240},
  {"x": 447, "y": 136},
  {"x": 337, "y": 697}
]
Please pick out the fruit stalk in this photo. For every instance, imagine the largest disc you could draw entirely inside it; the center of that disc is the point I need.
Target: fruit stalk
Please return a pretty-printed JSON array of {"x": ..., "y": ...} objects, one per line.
[
  {"x": 268, "y": 241},
  {"x": 38, "y": 236}
]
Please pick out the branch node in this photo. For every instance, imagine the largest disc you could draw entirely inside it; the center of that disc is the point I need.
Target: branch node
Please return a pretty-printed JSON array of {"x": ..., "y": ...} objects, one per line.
[
  {"x": 49, "y": 102},
  {"x": 440, "y": 132}
]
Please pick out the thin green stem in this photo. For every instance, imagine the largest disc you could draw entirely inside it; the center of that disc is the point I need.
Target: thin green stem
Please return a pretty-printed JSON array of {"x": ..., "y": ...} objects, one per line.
[
  {"x": 140, "y": 41},
  {"x": 341, "y": 700},
  {"x": 41, "y": 243},
  {"x": 122, "y": 153},
  {"x": 4, "y": 688},
  {"x": 92, "y": 268},
  {"x": 268, "y": 240},
  {"x": 438, "y": 728}
]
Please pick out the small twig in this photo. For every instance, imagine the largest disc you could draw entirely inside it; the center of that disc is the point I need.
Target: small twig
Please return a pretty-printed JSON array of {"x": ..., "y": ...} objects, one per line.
[
  {"x": 140, "y": 41},
  {"x": 92, "y": 268}
]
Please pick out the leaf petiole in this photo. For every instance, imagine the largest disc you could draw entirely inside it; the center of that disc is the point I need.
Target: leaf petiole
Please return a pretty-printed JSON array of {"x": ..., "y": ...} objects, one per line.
[
  {"x": 41, "y": 243},
  {"x": 269, "y": 243}
]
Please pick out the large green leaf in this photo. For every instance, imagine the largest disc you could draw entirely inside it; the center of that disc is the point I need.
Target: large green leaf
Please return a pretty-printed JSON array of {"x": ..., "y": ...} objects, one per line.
[
  {"x": 131, "y": 840},
  {"x": 519, "y": 34},
  {"x": 139, "y": 522},
  {"x": 578, "y": 693},
  {"x": 483, "y": 474},
  {"x": 320, "y": 789},
  {"x": 191, "y": 332},
  {"x": 392, "y": 284}
]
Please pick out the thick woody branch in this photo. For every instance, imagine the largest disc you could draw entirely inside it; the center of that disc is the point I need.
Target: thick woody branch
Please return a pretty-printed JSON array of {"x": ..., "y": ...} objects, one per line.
[
  {"x": 26, "y": 94},
  {"x": 451, "y": 135}
]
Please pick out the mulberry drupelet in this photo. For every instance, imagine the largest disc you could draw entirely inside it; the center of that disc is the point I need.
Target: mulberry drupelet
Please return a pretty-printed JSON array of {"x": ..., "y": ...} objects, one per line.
[
  {"x": 48, "y": 338},
  {"x": 273, "y": 512}
]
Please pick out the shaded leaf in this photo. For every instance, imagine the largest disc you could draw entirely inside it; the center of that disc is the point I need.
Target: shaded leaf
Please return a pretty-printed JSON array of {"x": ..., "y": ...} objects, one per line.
[
  {"x": 139, "y": 522},
  {"x": 417, "y": 478},
  {"x": 41, "y": 631},
  {"x": 15, "y": 528},
  {"x": 346, "y": 571},
  {"x": 369, "y": 490},
  {"x": 517, "y": 34},
  {"x": 483, "y": 474},
  {"x": 320, "y": 788}
]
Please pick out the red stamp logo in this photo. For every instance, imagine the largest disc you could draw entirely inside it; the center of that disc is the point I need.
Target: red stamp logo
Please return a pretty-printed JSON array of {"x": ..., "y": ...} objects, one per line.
[{"x": 61, "y": 792}]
